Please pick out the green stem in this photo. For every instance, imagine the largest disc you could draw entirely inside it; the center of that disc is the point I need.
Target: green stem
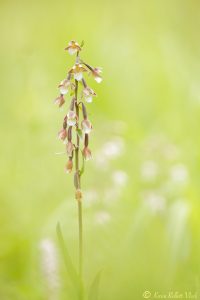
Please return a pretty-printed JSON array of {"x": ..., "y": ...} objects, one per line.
[{"x": 80, "y": 222}]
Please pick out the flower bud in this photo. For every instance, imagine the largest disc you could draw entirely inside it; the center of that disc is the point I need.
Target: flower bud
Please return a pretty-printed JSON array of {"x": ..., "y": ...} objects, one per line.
[
  {"x": 87, "y": 153},
  {"x": 86, "y": 126},
  {"x": 65, "y": 123},
  {"x": 78, "y": 195},
  {"x": 62, "y": 134},
  {"x": 59, "y": 100},
  {"x": 71, "y": 118},
  {"x": 69, "y": 166},
  {"x": 69, "y": 148}
]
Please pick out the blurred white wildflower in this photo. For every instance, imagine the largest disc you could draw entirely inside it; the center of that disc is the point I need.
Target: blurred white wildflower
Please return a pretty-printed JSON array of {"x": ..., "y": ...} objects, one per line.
[
  {"x": 113, "y": 148},
  {"x": 149, "y": 170},
  {"x": 102, "y": 218},
  {"x": 90, "y": 197},
  {"x": 171, "y": 151},
  {"x": 110, "y": 150},
  {"x": 119, "y": 178},
  {"x": 154, "y": 201},
  {"x": 179, "y": 174},
  {"x": 49, "y": 265}
]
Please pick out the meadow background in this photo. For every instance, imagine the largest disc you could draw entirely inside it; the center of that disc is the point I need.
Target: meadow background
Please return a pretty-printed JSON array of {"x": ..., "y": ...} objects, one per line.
[{"x": 141, "y": 191}]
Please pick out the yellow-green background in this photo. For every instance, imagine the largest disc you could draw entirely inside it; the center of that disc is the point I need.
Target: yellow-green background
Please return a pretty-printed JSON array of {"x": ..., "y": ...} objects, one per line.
[{"x": 149, "y": 102}]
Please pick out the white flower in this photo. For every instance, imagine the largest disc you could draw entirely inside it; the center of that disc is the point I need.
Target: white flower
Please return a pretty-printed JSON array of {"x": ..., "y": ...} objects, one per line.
[
  {"x": 86, "y": 126},
  {"x": 71, "y": 118},
  {"x": 88, "y": 94},
  {"x": 78, "y": 70},
  {"x": 96, "y": 73},
  {"x": 64, "y": 86},
  {"x": 179, "y": 174},
  {"x": 73, "y": 47},
  {"x": 78, "y": 76}
]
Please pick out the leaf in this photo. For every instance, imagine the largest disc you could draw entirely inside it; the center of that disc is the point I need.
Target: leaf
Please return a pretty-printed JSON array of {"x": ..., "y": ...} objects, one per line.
[
  {"x": 83, "y": 165},
  {"x": 67, "y": 259},
  {"x": 94, "y": 288},
  {"x": 80, "y": 133},
  {"x": 82, "y": 44}
]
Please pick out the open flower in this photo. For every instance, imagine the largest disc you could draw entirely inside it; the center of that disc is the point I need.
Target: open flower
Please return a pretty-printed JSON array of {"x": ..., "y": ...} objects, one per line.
[
  {"x": 69, "y": 166},
  {"x": 87, "y": 154},
  {"x": 71, "y": 118},
  {"x": 88, "y": 93},
  {"x": 96, "y": 73},
  {"x": 86, "y": 126},
  {"x": 62, "y": 134},
  {"x": 59, "y": 100},
  {"x": 73, "y": 47},
  {"x": 64, "y": 86},
  {"x": 78, "y": 70}
]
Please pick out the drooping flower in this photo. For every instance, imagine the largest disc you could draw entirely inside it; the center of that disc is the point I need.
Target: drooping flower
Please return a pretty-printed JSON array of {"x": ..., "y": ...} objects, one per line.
[
  {"x": 59, "y": 100},
  {"x": 69, "y": 148},
  {"x": 78, "y": 70},
  {"x": 62, "y": 134},
  {"x": 64, "y": 86},
  {"x": 86, "y": 126},
  {"x": 88, "y": 93},
  {"x": 69, "y": 166},
  {"x": 71, "y": 118},
  {"x": 96, "y": 73},
  {"x": 73, "y": 47},
  {"x": 87, "y": 154}
]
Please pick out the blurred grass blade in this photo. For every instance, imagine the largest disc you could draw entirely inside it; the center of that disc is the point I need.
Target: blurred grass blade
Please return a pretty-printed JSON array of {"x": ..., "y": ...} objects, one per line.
[
  {"x": 94, "y": 288},
  {"x": 67, "y": 259}
]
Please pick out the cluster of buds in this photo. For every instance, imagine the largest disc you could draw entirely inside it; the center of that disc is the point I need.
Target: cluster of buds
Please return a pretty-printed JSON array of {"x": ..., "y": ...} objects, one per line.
[{"x": 74, "y": 129}]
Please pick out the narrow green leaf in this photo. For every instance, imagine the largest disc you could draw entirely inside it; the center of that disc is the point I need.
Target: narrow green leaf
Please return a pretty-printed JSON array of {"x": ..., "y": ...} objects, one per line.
[
  {"x": 83, "y": 165},
  {"x": 80, "y": 133},
  {"x": 94, "y": 288},
  {"x": 82, "y": 44},
  {"x": 67, "y": 259}
]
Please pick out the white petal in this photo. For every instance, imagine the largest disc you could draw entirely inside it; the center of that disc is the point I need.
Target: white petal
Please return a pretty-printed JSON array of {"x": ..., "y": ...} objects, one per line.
[
  {"x": 88, "y": 99},
  {"x": 98, "y": 79},
  {"x": 63, "y": 90},
  {"x": 72, "y": 51},
  {"x": 71, "y": 122},
  {"x": 78, "y": 76}
]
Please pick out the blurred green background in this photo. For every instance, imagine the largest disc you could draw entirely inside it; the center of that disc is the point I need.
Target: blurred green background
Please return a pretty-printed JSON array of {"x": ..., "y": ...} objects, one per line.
[{"x": 142, "y": 188}]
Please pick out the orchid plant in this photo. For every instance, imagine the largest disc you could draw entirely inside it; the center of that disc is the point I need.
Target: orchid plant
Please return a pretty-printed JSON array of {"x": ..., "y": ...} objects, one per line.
[{"x": 76, "y": 129}]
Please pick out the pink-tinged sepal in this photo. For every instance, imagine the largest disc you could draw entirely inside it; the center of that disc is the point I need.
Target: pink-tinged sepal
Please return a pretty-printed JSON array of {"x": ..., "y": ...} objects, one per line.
[
  {"x": 62, "y": 134},
  {"x": 59, "y": 101},
  {"x": 87, "y": 154},
  {"x": 86, "y": 126}
]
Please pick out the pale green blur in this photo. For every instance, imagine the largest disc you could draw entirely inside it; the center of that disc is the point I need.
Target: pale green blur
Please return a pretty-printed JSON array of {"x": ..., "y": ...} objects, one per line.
[{"x": 141, "y": 204}]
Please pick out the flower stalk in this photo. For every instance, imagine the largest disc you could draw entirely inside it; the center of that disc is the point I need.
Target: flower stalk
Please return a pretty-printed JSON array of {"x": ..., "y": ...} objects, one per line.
[{"x": 75, "y": 130}]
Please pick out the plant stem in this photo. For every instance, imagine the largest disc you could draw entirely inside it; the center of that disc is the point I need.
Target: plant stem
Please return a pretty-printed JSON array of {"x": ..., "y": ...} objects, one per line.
[
  {"x": 80, "y": 238},
  {"x": 80, "y": 223}
]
